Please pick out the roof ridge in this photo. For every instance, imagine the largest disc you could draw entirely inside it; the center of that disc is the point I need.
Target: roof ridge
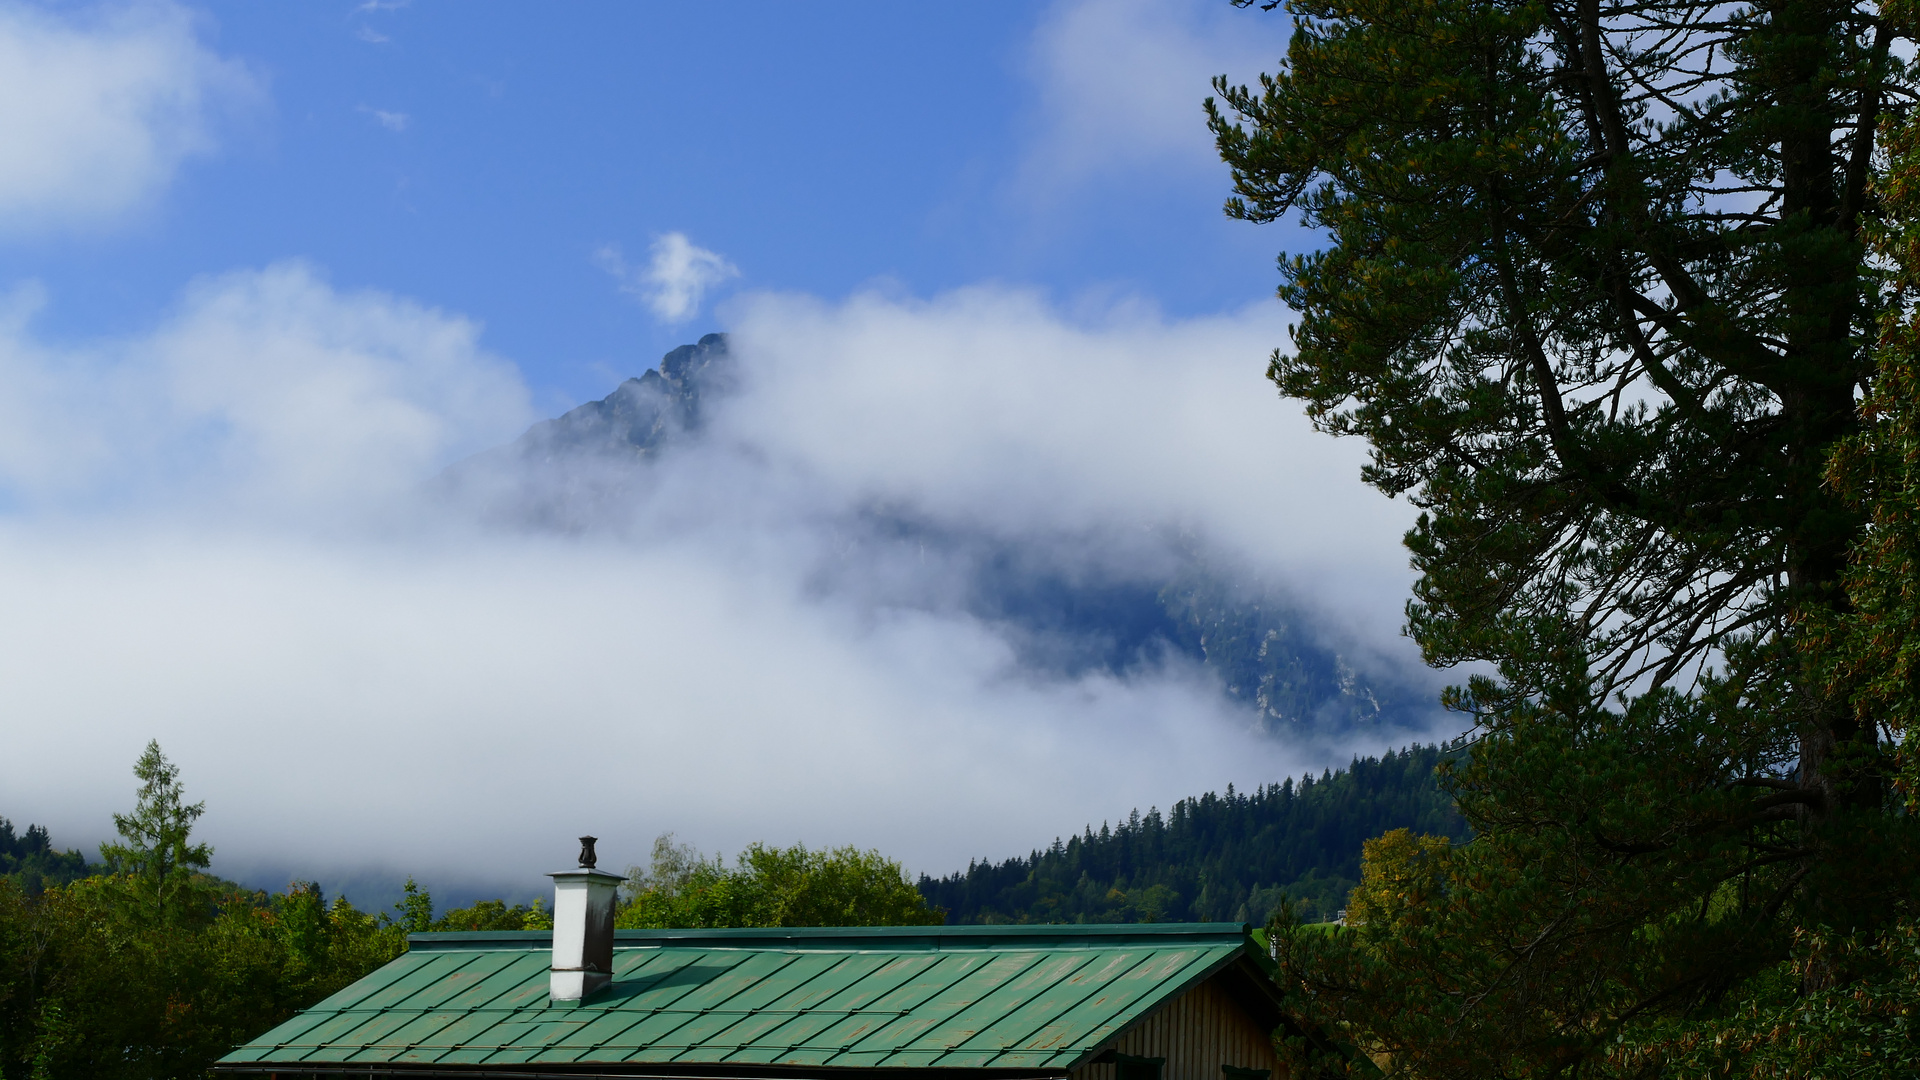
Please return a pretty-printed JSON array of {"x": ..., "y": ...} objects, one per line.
[{"x": 898, "y": 936}]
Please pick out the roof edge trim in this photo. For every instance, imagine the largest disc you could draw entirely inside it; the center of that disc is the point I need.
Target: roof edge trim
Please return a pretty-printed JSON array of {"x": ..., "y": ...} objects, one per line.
[{"x": 933, "y": 937}]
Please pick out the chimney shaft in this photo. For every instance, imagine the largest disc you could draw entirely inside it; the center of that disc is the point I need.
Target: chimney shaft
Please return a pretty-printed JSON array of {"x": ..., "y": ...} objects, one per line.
[{"x": 582, "y": 929}]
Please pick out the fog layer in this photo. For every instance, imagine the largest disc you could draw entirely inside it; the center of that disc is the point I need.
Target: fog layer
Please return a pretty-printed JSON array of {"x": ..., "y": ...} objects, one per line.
[{"x": 219, "y": 535}]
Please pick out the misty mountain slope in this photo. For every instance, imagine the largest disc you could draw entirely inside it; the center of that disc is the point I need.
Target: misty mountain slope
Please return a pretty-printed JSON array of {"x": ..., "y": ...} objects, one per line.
[
  {"x": 639, "y": 416},
  {"x": 575, "y": 470},
  {"x": 1068, "y": 605}
]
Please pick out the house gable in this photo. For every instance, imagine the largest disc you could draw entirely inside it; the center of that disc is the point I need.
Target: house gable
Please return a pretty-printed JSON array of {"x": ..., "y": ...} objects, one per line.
[{"x": 1196, "y": 1034}]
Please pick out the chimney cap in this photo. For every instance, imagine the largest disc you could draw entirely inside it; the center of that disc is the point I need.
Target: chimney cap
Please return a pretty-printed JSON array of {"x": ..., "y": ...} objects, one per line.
[{"x": 587, "y": 857}]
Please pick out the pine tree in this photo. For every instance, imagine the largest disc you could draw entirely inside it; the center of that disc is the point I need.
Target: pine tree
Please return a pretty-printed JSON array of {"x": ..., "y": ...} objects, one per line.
[
  {"x": 156, "y": 860},
  {"x": 1597, "y": 292}
]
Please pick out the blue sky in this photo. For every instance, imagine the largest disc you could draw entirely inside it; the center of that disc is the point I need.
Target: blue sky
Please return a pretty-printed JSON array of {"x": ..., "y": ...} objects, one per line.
[
  {"x": 266, "y": 269},
  {"x": 476, "y": 157}
]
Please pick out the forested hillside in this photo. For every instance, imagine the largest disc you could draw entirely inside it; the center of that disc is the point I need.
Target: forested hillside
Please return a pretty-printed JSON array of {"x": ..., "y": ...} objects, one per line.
[
  {"x": 29, "y": 861},
  {"x": 1215, "y": 857}
]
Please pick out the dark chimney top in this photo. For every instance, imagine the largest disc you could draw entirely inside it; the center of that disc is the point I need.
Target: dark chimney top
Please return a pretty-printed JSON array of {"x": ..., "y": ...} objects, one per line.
[{"x": 587, "y": 858}]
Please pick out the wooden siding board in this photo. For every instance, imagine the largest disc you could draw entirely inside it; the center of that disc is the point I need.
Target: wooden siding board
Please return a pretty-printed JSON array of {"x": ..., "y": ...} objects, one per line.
[{"x": 1197, "y": 1033}]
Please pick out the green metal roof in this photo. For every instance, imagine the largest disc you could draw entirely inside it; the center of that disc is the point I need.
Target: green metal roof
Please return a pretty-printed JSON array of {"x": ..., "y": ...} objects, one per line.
[{"x": 1036, "y": 1000}]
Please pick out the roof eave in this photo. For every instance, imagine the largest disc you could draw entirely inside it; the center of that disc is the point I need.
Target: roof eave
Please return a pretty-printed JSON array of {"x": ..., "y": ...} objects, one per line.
[{"x": 621, "y": 1071}]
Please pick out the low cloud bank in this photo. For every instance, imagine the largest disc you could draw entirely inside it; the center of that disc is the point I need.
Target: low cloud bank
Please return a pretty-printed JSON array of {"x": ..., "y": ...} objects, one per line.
[
  {"x": 988, "y": 407},
  {"x": 217, "y": 537},
  {"x": 100, "y": 107}
]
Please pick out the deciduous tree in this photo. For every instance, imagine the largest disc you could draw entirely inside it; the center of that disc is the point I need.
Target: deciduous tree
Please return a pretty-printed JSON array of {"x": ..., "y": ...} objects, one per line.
[{"x": 772, "y": 886}]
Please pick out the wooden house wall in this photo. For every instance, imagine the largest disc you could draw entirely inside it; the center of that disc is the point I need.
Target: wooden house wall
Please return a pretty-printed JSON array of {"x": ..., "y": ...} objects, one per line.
[{"x": 1197, "y": 1033}]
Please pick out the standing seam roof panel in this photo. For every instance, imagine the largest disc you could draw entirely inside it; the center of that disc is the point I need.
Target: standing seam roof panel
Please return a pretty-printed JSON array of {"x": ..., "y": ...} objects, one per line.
[
  {"x": 1039, "y": 998},
  {"x": 891, "y": 990},
  {"x": 1161, "y": 969},
  {"x": 1090, "y": 1021},
  {"x": 974, "y": 1021},
  {"x": 1109, "y": 984},
  {"x": 845, "y": 973},
  {"x": 937, "y": 1011},
  {"x": 1062, "y": 996},
  {"x": 749, "y": 1023},
  {"x": 669, "y": 1011}
]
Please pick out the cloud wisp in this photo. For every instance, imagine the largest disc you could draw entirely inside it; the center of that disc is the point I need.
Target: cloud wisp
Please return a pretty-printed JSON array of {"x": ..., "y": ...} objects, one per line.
[
  {"x": 1120, "y": 84},
  {"x": 216, "y": 535},
  {"x": 395, "y": 122},
  {"x": 98, "y": 111},
  {"x": 676, "y": 278}
]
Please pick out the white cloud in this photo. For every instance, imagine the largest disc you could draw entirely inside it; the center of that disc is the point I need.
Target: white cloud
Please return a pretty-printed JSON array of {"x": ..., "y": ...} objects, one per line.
[
  {"x": 1121, "y": 82},
  {"x": 205, "y": 543},
  {"x": 267, "y": 391},
  {"x": 986, "y": 406},
  {"x": 371, "y": 36},
  {"x": 392, "y": 121},
  {"x": 676, "y": 278},
  {"x": 98, "y": 110}
]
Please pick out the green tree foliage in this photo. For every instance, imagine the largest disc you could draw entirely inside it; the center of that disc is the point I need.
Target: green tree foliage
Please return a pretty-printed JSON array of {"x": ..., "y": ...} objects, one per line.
[
  {"x": 1846, "y": 1002},
  {"x": 1863, "y": 1030},
  {"x": 154, "y": 968},
  {"x": 156, "y": 864},
  {"x": 1599, "y": 296},
  {"x": 87, "y": 992},
  {"x": 31, "y": 863},
  {"x": 771, "y": 886},
  {"x": 1874, "y": 645},
  {"x": 497, "y": 915},
  {"x": 1235, "y": 857}
]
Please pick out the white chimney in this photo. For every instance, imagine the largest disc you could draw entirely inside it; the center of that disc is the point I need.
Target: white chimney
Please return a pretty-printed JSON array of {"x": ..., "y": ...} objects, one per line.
[{"x": 582, "y": 928}]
